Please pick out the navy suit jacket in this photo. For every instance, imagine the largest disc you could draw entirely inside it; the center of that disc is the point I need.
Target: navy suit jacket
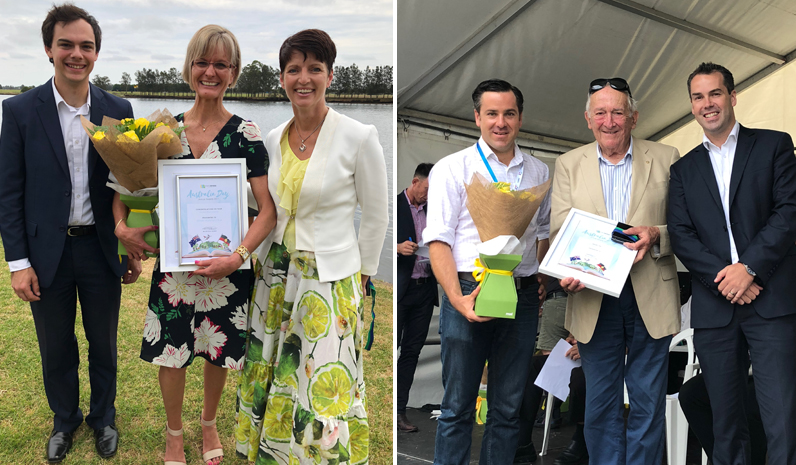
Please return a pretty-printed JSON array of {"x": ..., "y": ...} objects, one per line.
[
  {"x": 762, "y": 217},
  {"x": 35, "y": 185},
  {"x": 406, "y": 229}
]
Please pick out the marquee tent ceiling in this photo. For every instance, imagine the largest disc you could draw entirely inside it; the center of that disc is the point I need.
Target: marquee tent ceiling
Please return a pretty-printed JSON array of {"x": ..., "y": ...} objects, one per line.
[{"x": 552, "y": 49}]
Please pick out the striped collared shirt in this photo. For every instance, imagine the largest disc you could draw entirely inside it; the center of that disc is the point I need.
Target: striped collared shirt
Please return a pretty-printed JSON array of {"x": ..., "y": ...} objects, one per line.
[{"x": 616, "y": 183}]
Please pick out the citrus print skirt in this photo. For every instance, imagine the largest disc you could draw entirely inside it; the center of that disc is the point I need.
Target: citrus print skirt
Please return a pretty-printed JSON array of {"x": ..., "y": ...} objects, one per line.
[{"x": 301, "y": 394}]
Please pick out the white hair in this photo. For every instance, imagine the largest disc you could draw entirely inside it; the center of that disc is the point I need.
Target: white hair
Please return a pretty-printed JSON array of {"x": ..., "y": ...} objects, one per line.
[{"x": 631, "y": 102}]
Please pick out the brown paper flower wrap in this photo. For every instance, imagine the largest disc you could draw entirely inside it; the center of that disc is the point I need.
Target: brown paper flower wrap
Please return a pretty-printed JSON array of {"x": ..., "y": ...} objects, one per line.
[
  {"x": 135, "y": 164},
  {"x": 131, "y": 149},
  {"x": 497, "y": 212}
]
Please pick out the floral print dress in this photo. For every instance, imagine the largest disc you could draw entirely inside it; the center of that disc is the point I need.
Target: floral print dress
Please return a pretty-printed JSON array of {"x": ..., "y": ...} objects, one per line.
[
  {"x": 301, "y": 394},
  {"x": 191, "y": 315}
]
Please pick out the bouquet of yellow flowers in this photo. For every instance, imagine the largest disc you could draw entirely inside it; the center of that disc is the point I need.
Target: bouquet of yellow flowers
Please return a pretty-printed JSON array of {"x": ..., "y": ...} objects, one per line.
[
  {"x": 497, "y": 210},
  {"x": 501, "y": 217},
  {"x": 131, "y": 149}
]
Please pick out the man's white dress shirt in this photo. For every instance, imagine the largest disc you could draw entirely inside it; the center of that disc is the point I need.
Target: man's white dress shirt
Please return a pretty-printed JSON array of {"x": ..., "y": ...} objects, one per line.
[
  {"x": 722, "y": 159},
  {"x": 450, "y": 221}
]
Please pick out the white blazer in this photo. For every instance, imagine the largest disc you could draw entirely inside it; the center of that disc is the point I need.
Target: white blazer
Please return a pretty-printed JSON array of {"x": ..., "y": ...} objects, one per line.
[{"x": 347, "y": 167}]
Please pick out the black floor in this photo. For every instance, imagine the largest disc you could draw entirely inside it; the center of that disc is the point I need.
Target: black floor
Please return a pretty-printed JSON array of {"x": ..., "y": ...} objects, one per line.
[{"x": 418, "y": 448}]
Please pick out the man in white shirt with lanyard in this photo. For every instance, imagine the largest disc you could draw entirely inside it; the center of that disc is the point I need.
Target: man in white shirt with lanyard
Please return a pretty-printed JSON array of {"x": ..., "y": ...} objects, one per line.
[{"x": 469, "y": 340}]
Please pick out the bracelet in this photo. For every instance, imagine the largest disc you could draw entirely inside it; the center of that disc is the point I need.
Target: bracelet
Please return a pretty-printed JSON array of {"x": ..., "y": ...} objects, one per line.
[
  {"x": 243, "y": 252},
  {"x": 117, "y": 224}
]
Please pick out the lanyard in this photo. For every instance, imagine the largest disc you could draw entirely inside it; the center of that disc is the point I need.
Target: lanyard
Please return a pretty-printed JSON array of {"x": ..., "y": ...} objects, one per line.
[{"x": 515, "y": 186}]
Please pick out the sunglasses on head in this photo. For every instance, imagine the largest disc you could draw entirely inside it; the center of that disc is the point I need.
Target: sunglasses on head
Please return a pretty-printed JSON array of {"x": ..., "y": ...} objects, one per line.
[{"x": 615, "y": 83}]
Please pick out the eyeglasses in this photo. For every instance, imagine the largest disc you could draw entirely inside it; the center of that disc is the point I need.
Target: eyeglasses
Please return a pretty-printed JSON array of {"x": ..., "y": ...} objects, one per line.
[
  {"x": 615, "y": 83},
  {"x": 219, "y": 66}
]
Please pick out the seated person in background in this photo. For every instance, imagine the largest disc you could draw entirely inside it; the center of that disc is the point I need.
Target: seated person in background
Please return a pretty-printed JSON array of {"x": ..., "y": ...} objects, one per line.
[
  {"x": 550, "y": 332},
  {"x": 575, "y": 453},
  {"x": 696, "y": 406}
]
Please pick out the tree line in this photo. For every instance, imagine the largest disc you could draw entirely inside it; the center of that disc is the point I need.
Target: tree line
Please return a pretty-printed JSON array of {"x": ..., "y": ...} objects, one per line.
[{"x": 256, "y": 78}]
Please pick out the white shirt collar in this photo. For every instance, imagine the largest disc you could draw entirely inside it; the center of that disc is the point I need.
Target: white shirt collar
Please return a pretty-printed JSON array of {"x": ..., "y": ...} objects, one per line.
[
  {"x": 488, "y": 152},
  {"x": 733, "y": 137},
  {"x": 59, "y": 99},
  {"x": 628, "y": 155}
]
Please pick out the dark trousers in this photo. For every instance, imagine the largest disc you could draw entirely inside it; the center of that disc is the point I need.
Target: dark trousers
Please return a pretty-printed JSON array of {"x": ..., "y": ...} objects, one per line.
[
  {"x": 508, "y": 345},
  {"x": 695, "y": 403},
  {"x": 414, "y": 315},
  {"x": 83, "y": 273},
  {"x": 531, "y": 398},
  {"x": 620, "y": 327},
  {"x": 724, "y": 356},
  {"x": 577, "y": 395}
]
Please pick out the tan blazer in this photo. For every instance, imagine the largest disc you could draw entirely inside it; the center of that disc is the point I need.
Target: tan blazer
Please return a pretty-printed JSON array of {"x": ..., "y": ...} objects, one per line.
[
  {"x": 576, "y": 184},
  {"x": 347, "y": 168}
]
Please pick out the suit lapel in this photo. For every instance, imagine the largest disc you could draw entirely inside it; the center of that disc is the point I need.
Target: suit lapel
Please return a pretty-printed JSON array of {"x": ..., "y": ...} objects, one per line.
[
  {"x": 52, "y": 125},
  {"x": 99, "y": 108},
  {"x": 311, "y": 191},
  {"x": 743, "y": 150},
  {"x": 705, "y": 168},
  {"x": 642, "y": 164},
  {"x": 590, "y": 169}
]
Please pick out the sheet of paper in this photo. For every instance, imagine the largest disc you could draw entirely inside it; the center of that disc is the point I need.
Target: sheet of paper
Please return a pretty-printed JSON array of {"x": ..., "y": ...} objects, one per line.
[
  {"x": 208, "y": 224},
  {"x": 554, "y": 376}
]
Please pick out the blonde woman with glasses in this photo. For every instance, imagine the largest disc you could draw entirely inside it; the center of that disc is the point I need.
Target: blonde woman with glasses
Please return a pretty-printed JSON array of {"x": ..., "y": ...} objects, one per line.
[{"x": 203, "y": 314}]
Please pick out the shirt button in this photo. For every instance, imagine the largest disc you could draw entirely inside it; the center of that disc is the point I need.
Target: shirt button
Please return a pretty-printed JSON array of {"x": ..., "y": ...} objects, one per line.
[{"x": 78, "y": 196}]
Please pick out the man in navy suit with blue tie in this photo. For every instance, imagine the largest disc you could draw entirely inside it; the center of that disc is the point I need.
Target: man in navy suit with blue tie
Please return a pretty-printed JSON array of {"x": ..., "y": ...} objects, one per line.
[
  {"x": 732, "y": 222},
  {"x": 58, "y": 227}
]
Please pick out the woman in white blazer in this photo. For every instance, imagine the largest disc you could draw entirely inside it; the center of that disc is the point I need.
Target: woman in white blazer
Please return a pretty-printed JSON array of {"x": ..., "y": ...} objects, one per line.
[{"x": 302, "y": 392}]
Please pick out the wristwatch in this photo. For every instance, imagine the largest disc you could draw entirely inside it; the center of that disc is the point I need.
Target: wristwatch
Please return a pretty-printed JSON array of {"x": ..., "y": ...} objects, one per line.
[
  {"x": 243, "y": 252},
  {"x": 749, "y": 270}
]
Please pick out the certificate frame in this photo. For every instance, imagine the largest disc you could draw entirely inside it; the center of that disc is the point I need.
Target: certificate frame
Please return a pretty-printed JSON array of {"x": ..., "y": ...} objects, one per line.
[
  {"x": 173, "y": 216},
  {"x": 583, "y": 249}
]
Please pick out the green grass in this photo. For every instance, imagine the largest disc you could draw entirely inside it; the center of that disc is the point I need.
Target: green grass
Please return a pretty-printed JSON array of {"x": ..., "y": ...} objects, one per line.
[{"x": 26, "y": 420}]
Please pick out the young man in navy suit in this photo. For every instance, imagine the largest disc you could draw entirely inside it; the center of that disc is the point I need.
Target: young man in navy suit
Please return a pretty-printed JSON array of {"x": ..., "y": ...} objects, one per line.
[
  {"x": 732, "y": 222},
  {"x": 58, "y": 230}
]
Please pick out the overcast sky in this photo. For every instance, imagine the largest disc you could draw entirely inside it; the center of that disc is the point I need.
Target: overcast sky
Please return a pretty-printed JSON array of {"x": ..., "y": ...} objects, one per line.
[{"x": 154, "y": 34}]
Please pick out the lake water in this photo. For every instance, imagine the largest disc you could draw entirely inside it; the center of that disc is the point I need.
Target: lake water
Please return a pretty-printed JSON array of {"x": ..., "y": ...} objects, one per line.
[{"x": 269, "y": 115}]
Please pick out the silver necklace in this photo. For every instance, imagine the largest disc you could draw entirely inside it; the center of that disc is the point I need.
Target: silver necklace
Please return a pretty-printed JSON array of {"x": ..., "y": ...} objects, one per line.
[{"x": 303, "y": 147}]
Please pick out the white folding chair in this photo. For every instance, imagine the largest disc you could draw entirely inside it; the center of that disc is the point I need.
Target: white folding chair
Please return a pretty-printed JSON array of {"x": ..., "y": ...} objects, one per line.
[
  {"x": 548, "y": 415},
  {"x": 676, "y": 424}
]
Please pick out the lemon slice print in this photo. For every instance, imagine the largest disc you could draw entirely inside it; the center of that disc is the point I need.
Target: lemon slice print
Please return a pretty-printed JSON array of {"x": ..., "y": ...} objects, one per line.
[
  {"x": 318, "y": 315},
  {"x": 358, "y": 440},
  {"x": 276, "y": 301},
  {"x": 278, "y": 419},
  {"x": 330, "y": 390},
  {"x": 345, "y": 302}
]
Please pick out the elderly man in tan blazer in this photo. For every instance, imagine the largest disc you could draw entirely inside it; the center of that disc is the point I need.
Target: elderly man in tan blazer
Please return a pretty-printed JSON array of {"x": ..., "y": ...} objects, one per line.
[{"x": 623, "y": 339}]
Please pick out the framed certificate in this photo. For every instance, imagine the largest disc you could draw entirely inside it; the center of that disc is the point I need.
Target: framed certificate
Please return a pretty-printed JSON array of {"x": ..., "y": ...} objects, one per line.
[
  {"x": 583, "y": 250},
  {"x": 203, "y": 211}
]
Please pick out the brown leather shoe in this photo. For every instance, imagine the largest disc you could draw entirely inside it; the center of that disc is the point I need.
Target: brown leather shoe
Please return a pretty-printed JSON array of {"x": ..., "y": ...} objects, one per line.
[{"x": 404, "y": 426}]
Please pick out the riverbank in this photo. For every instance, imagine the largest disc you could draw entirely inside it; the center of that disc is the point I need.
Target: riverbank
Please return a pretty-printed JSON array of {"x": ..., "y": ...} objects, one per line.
[{"x": 262, "y": 97}]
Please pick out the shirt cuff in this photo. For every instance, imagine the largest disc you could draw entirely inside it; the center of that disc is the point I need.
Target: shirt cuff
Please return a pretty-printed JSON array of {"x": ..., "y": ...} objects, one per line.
[
  {"x": 437, "y": 233},
  {"x": 17, "y": 265}
]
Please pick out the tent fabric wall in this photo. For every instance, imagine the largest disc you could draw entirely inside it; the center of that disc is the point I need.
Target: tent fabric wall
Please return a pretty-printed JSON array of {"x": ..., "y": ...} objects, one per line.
[{"x": 768, "y": 104}]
